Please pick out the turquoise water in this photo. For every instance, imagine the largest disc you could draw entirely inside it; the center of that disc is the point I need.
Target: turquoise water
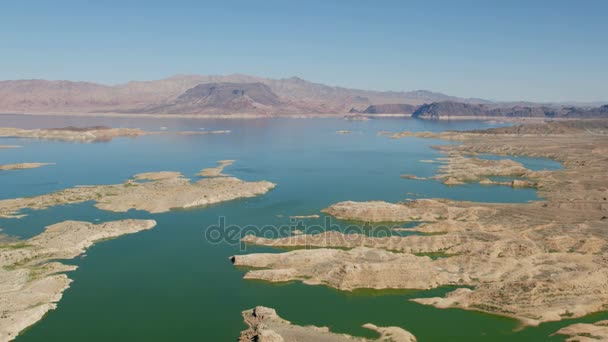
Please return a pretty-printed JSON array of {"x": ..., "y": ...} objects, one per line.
[{"x": 171, "y": 283}]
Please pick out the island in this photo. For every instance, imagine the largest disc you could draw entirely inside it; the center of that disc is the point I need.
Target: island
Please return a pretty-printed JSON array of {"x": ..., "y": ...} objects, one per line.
[
  {"x": 21, "y": 166},
  {"x": 154, "y": 192},
  {"x": 89, "y": 134}
]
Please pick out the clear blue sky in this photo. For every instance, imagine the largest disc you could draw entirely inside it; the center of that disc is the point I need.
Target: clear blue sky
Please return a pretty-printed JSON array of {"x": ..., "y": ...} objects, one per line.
[{"x": 506, "y": 50}]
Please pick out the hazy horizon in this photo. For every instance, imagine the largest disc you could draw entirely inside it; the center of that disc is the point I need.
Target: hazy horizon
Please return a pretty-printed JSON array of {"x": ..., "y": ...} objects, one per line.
[{"x": 545, "y": 51}]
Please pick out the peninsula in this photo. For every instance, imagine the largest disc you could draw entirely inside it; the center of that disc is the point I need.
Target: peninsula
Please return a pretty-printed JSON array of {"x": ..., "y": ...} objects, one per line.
[
  {"x": 32, "y": 278},
  {"x": 536, "y": 262},
  {"x": 266, "y": 326},
  {"x": 154, "y": 192}
]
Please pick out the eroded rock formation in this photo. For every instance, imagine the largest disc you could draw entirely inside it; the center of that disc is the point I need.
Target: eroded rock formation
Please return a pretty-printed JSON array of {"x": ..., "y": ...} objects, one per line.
[
  {"x": 537, "y": 262},
  {"x": 32, "y": 280},
  {"x": 155, "y": 192},
  {"x": 266, "y": 326}
]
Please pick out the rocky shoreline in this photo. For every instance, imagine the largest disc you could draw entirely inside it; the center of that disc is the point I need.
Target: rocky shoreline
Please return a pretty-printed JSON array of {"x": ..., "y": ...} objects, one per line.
[
  {"x": 89, "y": 134},
  {"x": 266, "y": 326},
  {"x": 22, "y": 166},
  {"x": 32, "y": 279},
  {"x": 154, "y": 192},
  {"x": 536, "y": 262}
]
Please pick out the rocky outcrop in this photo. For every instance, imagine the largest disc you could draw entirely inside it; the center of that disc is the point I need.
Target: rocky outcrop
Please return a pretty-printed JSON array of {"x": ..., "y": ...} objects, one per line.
[
  {"x": 89, "y": 134},
  {"x": 216, "y": 171},
  {"x": 396, "y": 108},
  {"x": 451, "y": 109},
  {"x": 32, "y": 280},
  {"x": 21, "y": 166},
  {"x": 266, "y": 326},
  {"x": 459, "y": 170},
  {"x": 583, "y": 332},
  {"x": 426, "y": 210},
  {"x": 160, "y": 192},
  {"x": 221, "y": 98},
  {"x": 536, "y": 262},
  {"x": 75, "y": 134}
]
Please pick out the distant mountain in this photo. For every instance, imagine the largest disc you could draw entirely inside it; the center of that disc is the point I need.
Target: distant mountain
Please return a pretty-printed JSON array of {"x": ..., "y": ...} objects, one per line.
[
  {"x": 210, "y": 94},
  {"x": 397, "y": 108},
  {"x": 447, "y": 109},
  {"x": 217, "y": 98},
  {"x": 294, "y": 94}
]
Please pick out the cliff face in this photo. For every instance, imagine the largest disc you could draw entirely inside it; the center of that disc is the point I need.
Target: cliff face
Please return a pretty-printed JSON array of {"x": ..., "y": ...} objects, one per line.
[
  {"x": 437, "y": 110},
  {"x": 396, "y": 108},
  {"x": 193, "y": 94},
  {"x": 221, "y": 97},
  {"x": 34, "y": 96}
]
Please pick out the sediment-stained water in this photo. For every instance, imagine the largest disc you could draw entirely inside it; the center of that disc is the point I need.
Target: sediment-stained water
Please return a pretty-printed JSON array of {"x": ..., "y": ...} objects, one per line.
[{"x": 171, "y": 282}]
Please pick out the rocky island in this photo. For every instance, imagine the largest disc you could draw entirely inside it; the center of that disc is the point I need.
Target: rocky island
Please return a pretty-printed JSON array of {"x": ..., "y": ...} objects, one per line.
[
  {"x": 21, "y": 166},
  {"x": 89, "y": 134},
  {"x": 75, "y": 134},
  {"x": 216, "y": 171},
  {"x": 154, "y": 192}
]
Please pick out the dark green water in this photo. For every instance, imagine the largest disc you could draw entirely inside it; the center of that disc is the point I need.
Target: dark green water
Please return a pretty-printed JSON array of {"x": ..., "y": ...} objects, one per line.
[{"x": 172, "y": 283}]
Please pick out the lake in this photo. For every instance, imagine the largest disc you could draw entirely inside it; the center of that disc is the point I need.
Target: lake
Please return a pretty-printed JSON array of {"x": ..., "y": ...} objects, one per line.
[{"x": 172, "y": 283}]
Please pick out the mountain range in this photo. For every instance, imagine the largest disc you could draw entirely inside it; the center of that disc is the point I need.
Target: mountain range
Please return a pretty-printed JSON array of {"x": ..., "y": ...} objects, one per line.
[
  {"x": 200, "y": 94},
  {"x": 244, "y": 94},
  {"x": 450, "y": 109}
]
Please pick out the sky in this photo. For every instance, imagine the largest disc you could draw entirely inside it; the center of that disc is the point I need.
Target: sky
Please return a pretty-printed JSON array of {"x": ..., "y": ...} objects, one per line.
[{"x": 499, "y": 50}]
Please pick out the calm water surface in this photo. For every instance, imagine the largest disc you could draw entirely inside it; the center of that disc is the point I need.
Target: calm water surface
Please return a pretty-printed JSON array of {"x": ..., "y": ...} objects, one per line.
[{"x": 171, "y": 283}]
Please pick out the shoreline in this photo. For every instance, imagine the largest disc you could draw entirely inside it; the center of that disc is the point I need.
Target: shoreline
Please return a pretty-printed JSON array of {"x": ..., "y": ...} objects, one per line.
[
  {"x": 233, "y": 116},
  {"x": 502, "y": 257}
]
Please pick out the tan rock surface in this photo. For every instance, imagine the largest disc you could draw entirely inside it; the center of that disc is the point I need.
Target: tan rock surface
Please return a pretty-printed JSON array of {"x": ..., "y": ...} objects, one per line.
[
  {"x": 537, "y": 262},
  {"x": 22, "y": 166},
  {"x": 303, "y": 217},
  {"x": 583, "y": 332},
  {"x": 266, "y": 326},
  {"x": 159, "y": 193},
  {"x": 75, "y": 134},
  {"x": 406, "y": 176},
  {"x": 90, "y": 134},
  {"x": 216, "y": 171},
  {"x": 416, "y": 210},
  {"x": 32, "y": 281}
]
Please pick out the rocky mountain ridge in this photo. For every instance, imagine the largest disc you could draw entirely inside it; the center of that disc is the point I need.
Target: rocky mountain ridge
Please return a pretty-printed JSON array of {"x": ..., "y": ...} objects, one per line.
[{"x": 243, "y": 94}]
